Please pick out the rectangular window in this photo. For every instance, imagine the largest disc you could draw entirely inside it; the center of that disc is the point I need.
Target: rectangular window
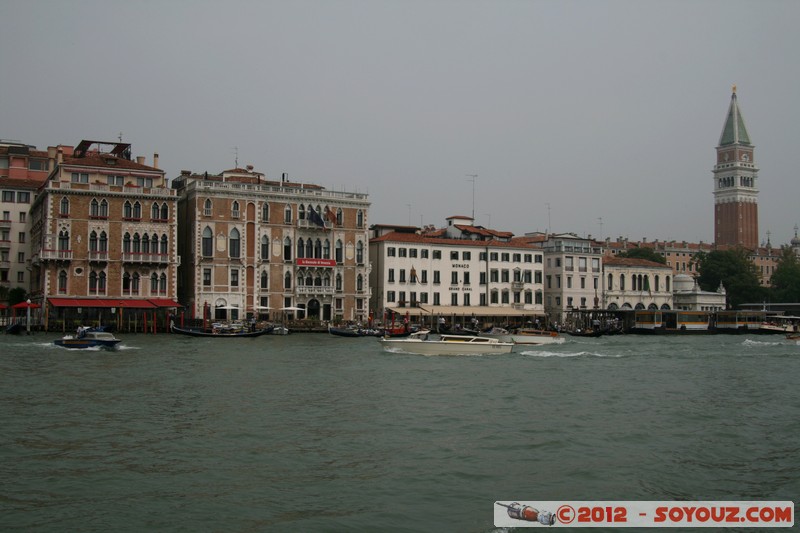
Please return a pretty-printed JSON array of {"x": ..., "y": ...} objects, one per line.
[
  {"x": 391, "y": 275},
  {"x": 20, "y": 277},
  {"x": 424, "y": 278},
  {"x": 20, "y": 257},
  {"x": 466, "y": 299},
  {"x": 516, "y": 258},
  {"x": 505, "y": 257},
  {"x": 390, "y": 251},
  {"x": 412, "y": 252},
  {"x": 454, "y": 256},
  {"x": 436, "y": 278},
  {"x": 437, "y": 254},
  {"x": 423, "y": 297},
  {"x": 537, "y": 277},
  {"x": 569, "y": 282},
  {"x": 436, "y": 299},
  {"x": 581, "y": 264},
  {"x": 423, "y": 254},
  {"x": 22, "y": 217},
  {"x": 23, "y": 197},
  {"x": 482, "y": 256},
  {"x": 78, "y": 177},
  {"x": 8, "y": 196},
  {"x": 482, "y": 278},
  {"x": 144, "y": 182},
  {"x": 402, "y": 252},
  {"x": 504, "y": 276},
  {"x": 234, "y": 278},
  {"x": 505, "y": 297},
  {"x": 115, "y": 180},
  {"x": 466, "y": 256},
  {"x": 21, "y": 236},
  {"x": 206, "y": 277},
  {"x": 466, "y": 278},
  {"x": 454, "y": 278},
  {"x": 493, "y": 256},
  {"x": 454, "y": 298},
  {"x": 7, "y": 216},
  {"x": 402, "y": 275},
  {"x": 529, "y": 258},
  {"x": 583, "y": 283},
  {"x": 482, "y": 299},
  {"x": 494, "y": 275},
  {"x": 390, "y": 298},
  {"x": 538, "y": 258},
  {"x": 568, "y": 263}
]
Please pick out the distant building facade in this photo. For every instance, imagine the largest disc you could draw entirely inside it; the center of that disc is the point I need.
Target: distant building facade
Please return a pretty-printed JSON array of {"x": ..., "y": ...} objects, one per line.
[
  {"x": 456, "y": 273},
  {"x": 23, "y": 169},
  {"x": 573, "y": 267},
  {"x": 254, "y": 247},
  {"x": 104, "y": 231},
  {"x": 631, "y": 283}
]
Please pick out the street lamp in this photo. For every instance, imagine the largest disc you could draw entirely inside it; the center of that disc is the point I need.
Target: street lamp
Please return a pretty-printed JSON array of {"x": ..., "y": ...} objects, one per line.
[{"x": 28, "y": 324}]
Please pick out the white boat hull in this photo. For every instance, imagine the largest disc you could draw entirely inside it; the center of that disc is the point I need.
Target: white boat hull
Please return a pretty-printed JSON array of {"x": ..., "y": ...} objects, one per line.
[{"x": 448, "y": 345}]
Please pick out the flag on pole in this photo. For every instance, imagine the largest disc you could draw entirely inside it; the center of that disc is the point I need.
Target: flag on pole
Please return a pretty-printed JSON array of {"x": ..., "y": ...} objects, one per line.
[
  {"x": 314, "y": 217},
  {"x": 330, "y": 215}
]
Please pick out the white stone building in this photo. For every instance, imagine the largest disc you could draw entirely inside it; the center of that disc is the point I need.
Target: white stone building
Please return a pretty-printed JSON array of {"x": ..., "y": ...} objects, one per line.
[{"x": 631, "y": 283}]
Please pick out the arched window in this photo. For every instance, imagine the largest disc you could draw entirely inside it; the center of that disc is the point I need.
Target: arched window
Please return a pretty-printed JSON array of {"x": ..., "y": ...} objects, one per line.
[
  {"x": 126, "y": 243},
  {"x": 339, "y": 251},
  {"x": 233, "y": 245},
  {"x": 126, "y": 283},
  {"x": 360, "y": 255},
  {"x": 135, "y": 283},
  {"x": 310, "y": 248},
  {"x": 301, "y": 248},
  {"x": 63, "y": 240},
  {"x": 103, "y": 242},
  {"x": 146, "y": 244},
  {"x": 137, "y": 210},
  {"x": 318, "y": 249},
  {"x": 62, "y": 282},
  {"x": 265, "y": 248},
  {"x": 360, "y": 219},
  {"x": 93, "y": 241},
  {"x": 94, "y": 208},
  {"x": 93, "y": 282},
  {"x": 326, "y": 249},
  {"x": 287, "y": 249},
  {"x": 301, "y": 212},
  {"x": 339, "y": 216},
  {"x": 235, "y": 209},
  {"x": 610, "y": 282},
  {"x": 666, "y": 283},
  {"x": 127, "y": 210},
  {"x": 326, "y": 281},
  {"x": 154, "y": 283},
  {"x": 622, "y": 282},
  {"x": 104, "y": 208},
  {"x": 101, "y": 283},
  {"x": 359, "y": 283},
  {"x": 338, "y": 282},
  {"x": 287, "y": 281},
  {"x": 287, "y": 214},
  {"x": 164, "y": 211},
  {"x": 208, "y": 242},
  {"x": 264, "y": 280},
  {"x": 163, "y": 283},
  {"x": 207, "y": 208},
  {"x": 164, "y": 244},
  {"x": 155, "y": 211},
  {"x": 64, "y": 206},
  {"x": 318, "y": 281},
  {"x": 309, "y": 280},
  {"x": 658, "y": 283},
  {"x": 265, "y": 212},
  {"x": 646, "y": 285},
  {"x": 137, "y": 244}
]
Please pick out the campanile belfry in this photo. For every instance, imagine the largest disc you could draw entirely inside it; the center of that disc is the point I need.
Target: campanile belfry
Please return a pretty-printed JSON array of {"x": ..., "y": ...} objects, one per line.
[{"x": 735, "y": 184}]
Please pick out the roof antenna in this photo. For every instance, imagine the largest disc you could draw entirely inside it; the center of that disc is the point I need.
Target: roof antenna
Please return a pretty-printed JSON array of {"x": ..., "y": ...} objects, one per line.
[
  {"x": 236, "y": 160},
  {"x": 473, "y": 180},
  {"x": 120, "y": 136}
]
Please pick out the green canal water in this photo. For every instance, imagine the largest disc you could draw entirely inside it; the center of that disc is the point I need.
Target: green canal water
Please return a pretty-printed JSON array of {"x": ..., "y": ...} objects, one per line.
[{"x": 311, "y": 432}]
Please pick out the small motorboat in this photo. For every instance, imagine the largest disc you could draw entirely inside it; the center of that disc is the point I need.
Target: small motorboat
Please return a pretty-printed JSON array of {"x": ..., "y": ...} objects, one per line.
[
  {"x": 88, "y": 338},
  {"x": 793, "y": 337},
  {"x": 526, "y": 336},
  {"x": 353, "y": 332},
  {"x": 222, "y": 330},
  {"x": 421, "y": 343}
]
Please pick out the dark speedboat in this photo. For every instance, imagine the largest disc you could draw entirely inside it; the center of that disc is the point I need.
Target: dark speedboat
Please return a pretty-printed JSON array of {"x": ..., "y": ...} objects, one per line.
[
  {"x": 221, "y": 330},
  {"x": 88, "y": 338}
]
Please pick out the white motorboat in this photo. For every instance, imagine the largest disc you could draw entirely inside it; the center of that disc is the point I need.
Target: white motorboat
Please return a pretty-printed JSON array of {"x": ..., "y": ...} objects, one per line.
[
  {"x": 526, "y": 336},
  {"x": 423, "y": 344}
]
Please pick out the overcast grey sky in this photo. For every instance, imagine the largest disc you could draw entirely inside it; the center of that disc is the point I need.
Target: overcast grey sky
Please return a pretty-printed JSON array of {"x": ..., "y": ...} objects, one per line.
[{"x": 599, "y": 109}]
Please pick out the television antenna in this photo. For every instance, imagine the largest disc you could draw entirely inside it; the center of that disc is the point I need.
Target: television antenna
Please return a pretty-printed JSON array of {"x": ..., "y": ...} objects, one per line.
[{"x": 473, "y": 179}]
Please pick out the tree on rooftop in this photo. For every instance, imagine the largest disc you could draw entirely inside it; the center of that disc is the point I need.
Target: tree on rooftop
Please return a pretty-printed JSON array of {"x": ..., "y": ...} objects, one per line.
[
  {"x": 644, "y": 253},
  {"x": 785, "y": 281},
  {"x": 734, "y": 270}
]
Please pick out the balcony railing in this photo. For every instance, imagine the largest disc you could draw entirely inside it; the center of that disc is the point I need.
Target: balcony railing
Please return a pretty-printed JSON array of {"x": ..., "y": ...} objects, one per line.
[
  {"x": 517, "y": 285},
  {"x": 95, "y": 255},
  {"x": 139, "y": 257},
  {"x": 56, "y": 255}
]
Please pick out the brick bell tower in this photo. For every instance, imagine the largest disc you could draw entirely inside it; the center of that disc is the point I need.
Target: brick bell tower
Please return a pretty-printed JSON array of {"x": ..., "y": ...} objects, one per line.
[{"x": 735, "y": 184}]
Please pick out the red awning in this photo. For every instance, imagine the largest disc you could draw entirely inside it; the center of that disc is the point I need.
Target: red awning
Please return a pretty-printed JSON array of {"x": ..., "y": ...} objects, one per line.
[
  {"x": 102, "y": 302},
  {"x": 25, "y": 305},
  {"x": 3, "y": 306},
  {"x": 164, "y": 302}
]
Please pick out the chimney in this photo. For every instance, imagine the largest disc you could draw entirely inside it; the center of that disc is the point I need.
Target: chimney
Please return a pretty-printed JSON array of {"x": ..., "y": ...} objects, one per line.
[
  {"x": 155, "y": 160},
  {"x": 140, "y": 159},
  {"x": 250, "y": 168},
  {"x": 60, "y": 156}
]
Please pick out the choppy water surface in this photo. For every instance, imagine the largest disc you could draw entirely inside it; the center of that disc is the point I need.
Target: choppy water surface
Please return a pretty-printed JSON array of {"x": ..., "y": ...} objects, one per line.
[{"x": 318, "y": 433}]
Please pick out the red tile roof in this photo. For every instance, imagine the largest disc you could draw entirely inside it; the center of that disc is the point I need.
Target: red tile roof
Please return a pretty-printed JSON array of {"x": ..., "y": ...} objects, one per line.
[
  {"x": 429, "y": 238},
  {"x": 634, "y": 262}
]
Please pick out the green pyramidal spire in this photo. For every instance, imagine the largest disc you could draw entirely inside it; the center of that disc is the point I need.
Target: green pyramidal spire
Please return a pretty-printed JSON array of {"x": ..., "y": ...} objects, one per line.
[{"x": 734, "y": 131}]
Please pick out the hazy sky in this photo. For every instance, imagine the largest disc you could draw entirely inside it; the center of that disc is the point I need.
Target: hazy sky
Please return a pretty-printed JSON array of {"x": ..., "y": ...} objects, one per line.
[{"x": 599, "y": 109}]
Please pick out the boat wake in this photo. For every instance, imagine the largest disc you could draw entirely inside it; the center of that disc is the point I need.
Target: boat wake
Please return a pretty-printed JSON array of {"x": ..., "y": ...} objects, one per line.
[
  {"x": 751, "y": 342},
  {"x": 568, "y": 354}
]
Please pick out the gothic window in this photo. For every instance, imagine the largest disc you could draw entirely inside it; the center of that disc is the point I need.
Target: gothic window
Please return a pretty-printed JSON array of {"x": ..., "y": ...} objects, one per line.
[
  {"x": 318, "y": 249},
  {"x": 104, "y": 208},
  {"x": 265, "y": 212},
  {"x": 326, "y": 249},
  {"x": 164, "y": 211},
  {"x": 155, "y": 212},
  {"x": 63, "y": 240},
  {"x": 126, "y": 243},
  {"x": 287, "y": 214},
  {"x": 287, "y": 281},
  {"x": 360, "y": 219},
  {"x": 264, "y": 280},
  {"x": 264, "y": 248},
  {"x": 64, "y": 207},
  {"x": 93, "y": 241},
  {"x": 233, "y": 245},
  {"x": 146, "y": 244},
  {"x": 360, "y": 253},
  {"x": 154, "y": 283},
  {"x": 127, "y": 210},
  {"x": 163, "y": 283},
  {"x": 208, "y": 242},
  {"x": 301, "y": 248},
  {"x": 339, "y": 250},
  {"x": 94, "y": 208},
  {"x": 137, "y": 210},
  {"x": 164, "y": 245},
  {"x": 137, "y": 243},
  {"x": 339, "y": 216},
  {"x": 62, "y": 282}
]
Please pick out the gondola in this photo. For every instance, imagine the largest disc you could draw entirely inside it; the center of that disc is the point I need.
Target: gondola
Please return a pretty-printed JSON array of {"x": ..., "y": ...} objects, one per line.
[{"x": 217, "y": 332}]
